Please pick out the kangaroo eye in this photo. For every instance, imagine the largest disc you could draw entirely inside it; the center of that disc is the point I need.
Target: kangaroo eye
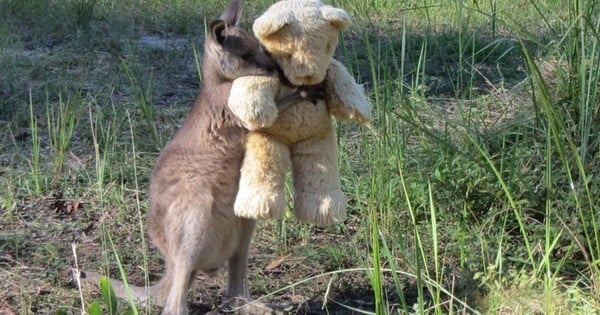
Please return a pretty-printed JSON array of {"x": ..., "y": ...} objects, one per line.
[{"x": 246, "y": 55}]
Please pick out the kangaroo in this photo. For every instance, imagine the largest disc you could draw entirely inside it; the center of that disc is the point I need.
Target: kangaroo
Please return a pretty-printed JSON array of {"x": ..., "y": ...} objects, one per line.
[{"x": 195, "y": 180}]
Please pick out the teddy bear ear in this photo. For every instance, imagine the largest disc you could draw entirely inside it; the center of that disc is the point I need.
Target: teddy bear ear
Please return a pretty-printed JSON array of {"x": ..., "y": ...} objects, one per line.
[
  {"x": 266, "y": 26},
  {"x": 337, "y": 17}
]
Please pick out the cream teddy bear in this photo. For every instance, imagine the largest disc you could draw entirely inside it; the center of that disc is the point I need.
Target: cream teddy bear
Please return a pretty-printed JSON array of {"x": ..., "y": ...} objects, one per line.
[{"x": 301, "y": 36}]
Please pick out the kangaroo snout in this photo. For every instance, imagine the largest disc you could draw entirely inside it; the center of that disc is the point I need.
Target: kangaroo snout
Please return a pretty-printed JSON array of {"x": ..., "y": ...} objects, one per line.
[{"x": 263, "y": 58}]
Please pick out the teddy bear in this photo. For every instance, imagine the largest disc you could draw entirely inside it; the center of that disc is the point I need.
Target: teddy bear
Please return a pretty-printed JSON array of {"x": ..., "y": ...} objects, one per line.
[{"x": 301, "y": 36}]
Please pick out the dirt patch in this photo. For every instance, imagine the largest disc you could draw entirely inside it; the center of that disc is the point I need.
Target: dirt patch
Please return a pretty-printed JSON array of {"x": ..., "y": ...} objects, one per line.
[{"x": 37, "y": 258}]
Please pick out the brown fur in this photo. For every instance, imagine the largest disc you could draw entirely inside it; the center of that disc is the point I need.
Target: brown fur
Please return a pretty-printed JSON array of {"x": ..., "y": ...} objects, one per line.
[{"x": 195, "y": 180}]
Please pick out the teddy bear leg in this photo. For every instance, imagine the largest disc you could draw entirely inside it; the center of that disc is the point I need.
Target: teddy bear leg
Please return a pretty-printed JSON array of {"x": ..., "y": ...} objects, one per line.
[
  {"x": 318, "y": 197},
  {"x": 261, "y": 193}
]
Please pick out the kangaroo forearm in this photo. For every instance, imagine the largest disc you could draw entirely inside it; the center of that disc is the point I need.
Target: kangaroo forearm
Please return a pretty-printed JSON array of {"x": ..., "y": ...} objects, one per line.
[{"x": 304, "y": 93}]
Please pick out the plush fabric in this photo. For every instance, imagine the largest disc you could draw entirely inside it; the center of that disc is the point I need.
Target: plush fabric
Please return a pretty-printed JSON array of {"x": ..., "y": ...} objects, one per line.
[{"x": 301, "y": 36}]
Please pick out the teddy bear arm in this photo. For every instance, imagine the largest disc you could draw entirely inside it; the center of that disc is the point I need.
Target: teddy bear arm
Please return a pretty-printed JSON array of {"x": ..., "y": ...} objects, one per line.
[
  {"x": 318, "y": 197},
  {"x": 252, "y": 100},
  {"x": 346, "y": 99},
  {"x": 261, "y": 193}
]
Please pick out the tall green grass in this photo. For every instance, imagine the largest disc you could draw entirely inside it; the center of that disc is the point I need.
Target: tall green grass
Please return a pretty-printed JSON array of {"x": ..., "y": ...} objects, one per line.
[
  {"x": 572, "y": 137},
  {"x": 34, "y": 162},
  {"x": 530, "y": 224},
  {"x": 62, "y": 118}
]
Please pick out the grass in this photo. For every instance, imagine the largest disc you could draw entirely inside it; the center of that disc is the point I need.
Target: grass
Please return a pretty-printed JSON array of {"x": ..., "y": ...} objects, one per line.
[{"x": 472, "y": 191}]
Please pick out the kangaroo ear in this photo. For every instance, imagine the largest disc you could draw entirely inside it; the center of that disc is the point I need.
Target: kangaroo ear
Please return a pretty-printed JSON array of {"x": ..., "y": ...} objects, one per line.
[
  {"x": 217, "y": 31},
  {"x": 266, "y": 26},
  {"x": 231, "y": 15},
  {"x": 337, "y": 17}
]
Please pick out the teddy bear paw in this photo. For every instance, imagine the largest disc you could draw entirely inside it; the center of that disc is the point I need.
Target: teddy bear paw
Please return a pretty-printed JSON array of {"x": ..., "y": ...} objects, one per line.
[
  {"x": 258, "y": 204},
  {"x": 261, "y": 118},
  {"x": 320, "y": 208}
]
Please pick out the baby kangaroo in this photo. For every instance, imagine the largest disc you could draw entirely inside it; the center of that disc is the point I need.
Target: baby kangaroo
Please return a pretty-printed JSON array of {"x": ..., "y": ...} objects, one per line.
[{"x": 195, "y": 180}]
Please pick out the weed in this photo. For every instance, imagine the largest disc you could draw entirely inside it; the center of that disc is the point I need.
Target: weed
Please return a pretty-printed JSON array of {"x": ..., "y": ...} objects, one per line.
[
  {"x": 143, "y": 100},
  {"x": 84, "y": 11},
  {"x": 34, "y": 162},
  {"x": 62, "y": 118}
]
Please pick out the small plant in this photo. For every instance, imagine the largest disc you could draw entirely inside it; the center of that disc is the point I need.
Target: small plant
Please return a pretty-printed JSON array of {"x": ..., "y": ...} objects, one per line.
[
  {"x": 62, "y": 119},
  {"x": 102, "y": 153},
  {"x": 109, "y": 301},
  {"x": 84, "y": 11},
  {"x": 34, "y": 162},
  {"x": 143, "y": 99}
]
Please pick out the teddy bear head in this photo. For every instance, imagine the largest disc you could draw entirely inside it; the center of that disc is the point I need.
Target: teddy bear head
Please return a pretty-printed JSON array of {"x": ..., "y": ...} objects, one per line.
[{"x": 301, "y": 36}]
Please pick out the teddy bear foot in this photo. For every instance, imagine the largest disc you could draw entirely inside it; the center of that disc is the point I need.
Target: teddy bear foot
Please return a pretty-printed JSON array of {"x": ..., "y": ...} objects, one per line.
[
  {"x": 320, "y": 208},
  {"x": 254, "y": 203}
]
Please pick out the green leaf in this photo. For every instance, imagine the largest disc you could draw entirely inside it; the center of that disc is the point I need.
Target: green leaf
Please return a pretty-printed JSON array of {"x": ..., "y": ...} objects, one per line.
[
  {"x": 129, "y": 311},
  {"x": 94, "y": 308},
  {"x": 108, "y": 295},
  {"x": 437, "y": 174}
]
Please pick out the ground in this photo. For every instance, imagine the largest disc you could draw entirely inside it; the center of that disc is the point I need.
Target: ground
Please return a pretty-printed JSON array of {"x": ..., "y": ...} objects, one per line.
[{"x": 57, "y": 234}]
